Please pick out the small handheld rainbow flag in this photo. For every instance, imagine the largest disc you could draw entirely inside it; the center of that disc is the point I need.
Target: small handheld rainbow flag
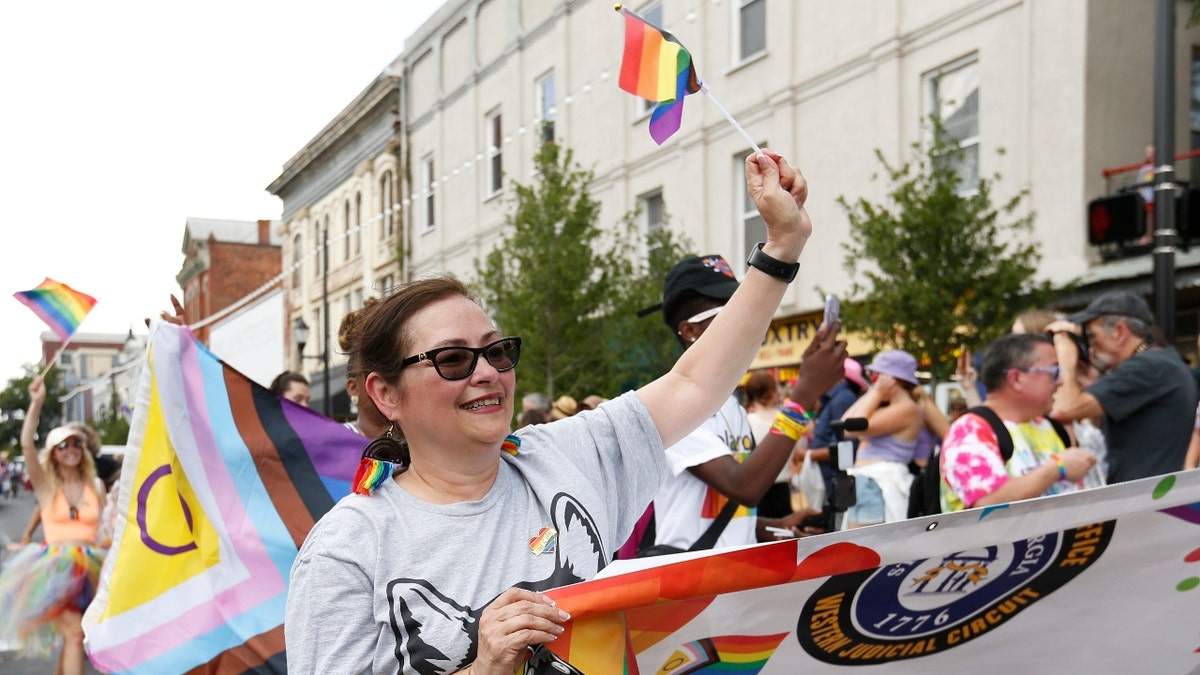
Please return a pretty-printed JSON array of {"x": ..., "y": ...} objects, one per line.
[
  {"x": 60, "y": 306},
  {"x": 658, "y": 68}
]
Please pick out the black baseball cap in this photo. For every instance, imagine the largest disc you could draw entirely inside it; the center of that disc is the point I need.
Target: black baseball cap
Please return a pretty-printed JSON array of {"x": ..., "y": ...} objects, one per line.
[
  {"x": 1118, "y": 303},
  {"x": 709, "y": 275}
]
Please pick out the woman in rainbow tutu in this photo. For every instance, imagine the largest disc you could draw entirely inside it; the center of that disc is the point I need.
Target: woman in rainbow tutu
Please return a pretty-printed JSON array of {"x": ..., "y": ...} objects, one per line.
[{"x": 45, "y": 587}]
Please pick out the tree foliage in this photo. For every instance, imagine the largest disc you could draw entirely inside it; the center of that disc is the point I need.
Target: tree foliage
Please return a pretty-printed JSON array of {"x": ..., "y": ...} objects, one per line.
[
  {"x": 570, "y": 290},
  {"x": 14, "y": 401},
  {"x": 936, "y": 267}
]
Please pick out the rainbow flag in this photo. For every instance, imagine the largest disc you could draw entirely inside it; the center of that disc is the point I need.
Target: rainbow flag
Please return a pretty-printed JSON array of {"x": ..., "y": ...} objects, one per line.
[
  {"x": 658, "y": 68},
  {"x": 221, "y": 483},
  {"x": 60, "y": 306}
]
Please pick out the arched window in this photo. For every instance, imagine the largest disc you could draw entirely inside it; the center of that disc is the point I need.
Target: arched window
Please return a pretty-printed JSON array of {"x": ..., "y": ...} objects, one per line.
[
  {"x": 387, "y": 206},
  {"x": 357, "y": 223},
  {"x": 297, "y": 257},
  {"x": 346, "y": 239}
]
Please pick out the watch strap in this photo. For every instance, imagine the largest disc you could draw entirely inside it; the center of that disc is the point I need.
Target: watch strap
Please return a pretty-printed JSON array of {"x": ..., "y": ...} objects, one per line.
[{"x": 770, "y": 266}]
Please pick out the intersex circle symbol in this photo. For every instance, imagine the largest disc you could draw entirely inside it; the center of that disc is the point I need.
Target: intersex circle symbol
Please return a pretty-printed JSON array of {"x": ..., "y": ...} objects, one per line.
[{"x": 143, "y": 496}]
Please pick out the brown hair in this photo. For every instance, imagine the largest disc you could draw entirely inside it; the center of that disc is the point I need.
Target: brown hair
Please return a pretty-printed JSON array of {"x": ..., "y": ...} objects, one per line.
[
  {"x": 1036, "y": 320},
  {"x": 349, "y": 337},
  {"x": 761, "y": 387},
  {"x": 384, "y": 338}
]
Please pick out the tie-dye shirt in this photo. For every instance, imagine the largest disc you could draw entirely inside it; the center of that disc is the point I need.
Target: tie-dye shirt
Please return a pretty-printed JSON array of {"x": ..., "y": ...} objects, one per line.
[{"x": 971, "y": 465}]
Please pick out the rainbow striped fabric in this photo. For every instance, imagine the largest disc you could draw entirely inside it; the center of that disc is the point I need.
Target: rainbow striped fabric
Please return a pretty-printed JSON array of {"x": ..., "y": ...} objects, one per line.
[
  {"x": 60, "y": 306},
  {"x": 221, "y": 483},
  {"x": 658, "y": 68}
]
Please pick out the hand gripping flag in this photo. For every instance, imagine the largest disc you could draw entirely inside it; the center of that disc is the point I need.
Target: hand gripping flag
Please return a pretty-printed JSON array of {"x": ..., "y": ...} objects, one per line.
[
  {"x": 658, "y": 68},
  {"x": 221, "y": 483},
  {"x": 60, "y": 306}
]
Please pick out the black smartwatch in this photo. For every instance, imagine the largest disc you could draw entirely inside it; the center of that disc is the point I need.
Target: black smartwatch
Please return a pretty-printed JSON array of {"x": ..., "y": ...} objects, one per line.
[{"x": 785, "y": 272}]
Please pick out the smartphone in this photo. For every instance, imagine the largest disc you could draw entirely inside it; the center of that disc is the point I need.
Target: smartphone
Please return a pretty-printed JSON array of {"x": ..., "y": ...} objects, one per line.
[{"x": 833, "y": 309}]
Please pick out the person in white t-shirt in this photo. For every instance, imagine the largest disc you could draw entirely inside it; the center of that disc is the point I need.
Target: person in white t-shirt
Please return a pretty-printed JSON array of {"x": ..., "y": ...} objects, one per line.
[{"x": 719, "y": 462}]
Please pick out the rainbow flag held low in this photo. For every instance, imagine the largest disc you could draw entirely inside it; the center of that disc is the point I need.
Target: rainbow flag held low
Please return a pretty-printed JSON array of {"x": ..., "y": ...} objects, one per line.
[
  {"x": 62, "y": 308},
  {"x": 221, "y": 482},
  {"x": 1105, "y": 580},
  {"x": 658, "y": 68}
]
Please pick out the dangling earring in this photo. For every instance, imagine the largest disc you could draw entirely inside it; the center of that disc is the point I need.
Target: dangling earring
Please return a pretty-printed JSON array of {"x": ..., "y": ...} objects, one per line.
[{"x": 383, "y": 457}]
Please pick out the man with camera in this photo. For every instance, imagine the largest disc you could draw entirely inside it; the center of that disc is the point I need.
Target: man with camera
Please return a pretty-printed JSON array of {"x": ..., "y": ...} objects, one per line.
[{"x": 1146, "y": 394}]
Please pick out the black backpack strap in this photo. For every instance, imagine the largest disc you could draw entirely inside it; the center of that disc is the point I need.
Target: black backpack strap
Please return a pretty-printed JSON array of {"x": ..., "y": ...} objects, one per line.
[
  {"x": 713, "y": 533},
  {"x": 1002, "y": 436},
  {"x": 1061, "y": 431}
]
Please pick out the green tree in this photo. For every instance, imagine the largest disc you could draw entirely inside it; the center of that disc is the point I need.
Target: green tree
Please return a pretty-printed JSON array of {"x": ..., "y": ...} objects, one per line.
[
  {"x": 112, "y": 427},
  {"x": 937, "y": 267},
  {"x": 571, "y": 290},
  {"x": 14, "y": 401}
]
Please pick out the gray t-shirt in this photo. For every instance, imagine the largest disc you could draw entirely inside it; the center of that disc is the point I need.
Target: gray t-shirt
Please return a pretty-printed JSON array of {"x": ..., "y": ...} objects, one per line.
[
  {"x": 1149, "y": 402},
  {"x": 388, "y": 583}
]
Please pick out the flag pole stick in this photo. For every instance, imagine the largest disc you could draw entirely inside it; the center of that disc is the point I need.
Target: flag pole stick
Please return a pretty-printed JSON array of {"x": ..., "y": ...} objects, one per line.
[
  {"x": 50, "y": 363},
  {"x": 704, "y": 88}
]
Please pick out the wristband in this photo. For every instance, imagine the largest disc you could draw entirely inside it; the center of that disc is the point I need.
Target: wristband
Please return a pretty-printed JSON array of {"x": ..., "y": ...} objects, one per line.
[
  {"x": 796, "y": 411},
  {"x": 1062, "y": 468},
  {"x": 784, "y": 425},
  {"x": 785, "y": 272}
]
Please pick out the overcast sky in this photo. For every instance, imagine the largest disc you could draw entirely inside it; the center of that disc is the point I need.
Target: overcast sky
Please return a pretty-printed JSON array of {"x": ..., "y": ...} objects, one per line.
[{"x": 122, "y": 119}]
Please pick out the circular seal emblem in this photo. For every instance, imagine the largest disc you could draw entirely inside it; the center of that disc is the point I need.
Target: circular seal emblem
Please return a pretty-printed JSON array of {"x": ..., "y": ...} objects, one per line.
[{"x": 907, "y": 610}]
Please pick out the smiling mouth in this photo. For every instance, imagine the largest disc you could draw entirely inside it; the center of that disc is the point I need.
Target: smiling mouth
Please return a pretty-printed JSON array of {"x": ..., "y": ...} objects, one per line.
[{"x": 481, "y": 403}]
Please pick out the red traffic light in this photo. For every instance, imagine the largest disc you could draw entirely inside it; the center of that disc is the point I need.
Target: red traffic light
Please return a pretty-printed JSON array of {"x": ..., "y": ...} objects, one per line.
[{"x": 1119, "y": 217}]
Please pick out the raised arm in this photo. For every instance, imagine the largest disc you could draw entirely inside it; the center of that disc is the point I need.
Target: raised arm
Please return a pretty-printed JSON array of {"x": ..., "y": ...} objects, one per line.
[
  {"x": 709, "y": 370},
  {"x": 37, "y": 398}
]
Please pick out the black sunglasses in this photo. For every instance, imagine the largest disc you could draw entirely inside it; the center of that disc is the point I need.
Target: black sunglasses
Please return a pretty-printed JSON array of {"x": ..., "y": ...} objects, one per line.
[
  {"x": 457, "y": 363},
  {"x": 70, "y": 442}
]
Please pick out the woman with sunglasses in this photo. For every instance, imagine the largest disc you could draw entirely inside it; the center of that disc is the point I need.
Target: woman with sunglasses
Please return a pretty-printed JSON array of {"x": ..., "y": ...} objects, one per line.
[
  {"x": 439, "y": 569},
  {"x": 46, "y": 587}
]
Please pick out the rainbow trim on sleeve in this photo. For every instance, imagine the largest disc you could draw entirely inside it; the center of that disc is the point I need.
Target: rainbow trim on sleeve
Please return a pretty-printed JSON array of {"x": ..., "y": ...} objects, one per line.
[
  {"x": 658, "y": 68},
  {"x": 60, "y": 306}
]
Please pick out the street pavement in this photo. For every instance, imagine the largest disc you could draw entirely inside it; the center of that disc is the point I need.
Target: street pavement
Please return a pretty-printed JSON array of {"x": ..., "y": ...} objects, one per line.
[{"x": 14, "y": 514}]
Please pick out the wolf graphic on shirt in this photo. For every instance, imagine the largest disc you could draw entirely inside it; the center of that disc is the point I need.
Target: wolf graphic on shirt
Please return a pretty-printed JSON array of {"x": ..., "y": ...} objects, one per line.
[{"x": 419, "y": 611}]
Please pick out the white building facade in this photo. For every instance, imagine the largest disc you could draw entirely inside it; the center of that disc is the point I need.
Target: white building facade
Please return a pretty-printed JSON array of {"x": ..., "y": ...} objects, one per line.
[{"x": 1064, "y": 89}]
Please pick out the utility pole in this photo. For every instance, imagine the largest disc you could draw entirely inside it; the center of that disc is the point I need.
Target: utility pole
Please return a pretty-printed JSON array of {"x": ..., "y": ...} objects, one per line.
[{"x": 1165, "y": 188}]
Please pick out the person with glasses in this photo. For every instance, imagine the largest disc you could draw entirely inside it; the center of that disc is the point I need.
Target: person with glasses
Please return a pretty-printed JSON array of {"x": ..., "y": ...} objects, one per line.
[
  {"x": 1021, "y": 373},
  {"x": 46, "y": 587},
  {"x": 1145, "y": 395},
  {"x": 436, "y": 564}
]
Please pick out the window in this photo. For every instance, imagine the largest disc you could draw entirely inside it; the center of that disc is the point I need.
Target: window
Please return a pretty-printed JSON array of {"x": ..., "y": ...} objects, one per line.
[
  {"x": 358, "y": 298},
  {"x": 754, "y": 229},
  {"x": 952, "y": 93},
  {"x": 652, "y": 212},
  {"x": 545, "y": 106},
  {"x": 66, "y": 359},
  {"x": 430, "y": 188},
  {"x": 384, "y": 286},
  {"x": 346, "y": 239},
  {"x": 752, "y": 28},
  {"x": 387, "y": 203},
  {"x": 495, "y": 164},
  {"x": 316, "y": 236},
  {"x": 357, "y": 223},
  {"x": 297, "y": 258},
  {"x": 347, "y": 305},
  {"x": 652, "y": 14}
]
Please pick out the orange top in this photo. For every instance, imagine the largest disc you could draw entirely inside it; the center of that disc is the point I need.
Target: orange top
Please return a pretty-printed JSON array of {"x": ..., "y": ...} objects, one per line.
[{"x": 59, "y": 526}]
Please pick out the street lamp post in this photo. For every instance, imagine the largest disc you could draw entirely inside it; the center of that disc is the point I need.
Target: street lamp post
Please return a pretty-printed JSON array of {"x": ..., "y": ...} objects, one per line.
[{"x": 300, "y": 332}]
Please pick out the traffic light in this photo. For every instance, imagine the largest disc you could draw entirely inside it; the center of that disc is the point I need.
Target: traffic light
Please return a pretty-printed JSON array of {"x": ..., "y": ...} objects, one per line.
[{"x": 1119, "y": 217}]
